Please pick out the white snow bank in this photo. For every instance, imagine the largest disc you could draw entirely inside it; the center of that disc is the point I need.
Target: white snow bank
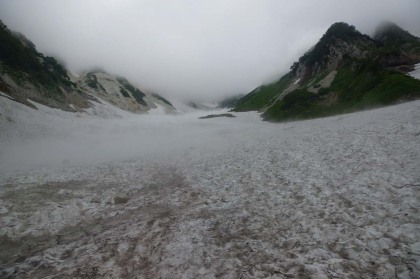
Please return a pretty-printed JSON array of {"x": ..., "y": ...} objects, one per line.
[
  {"x": 226, "y": 197},
  {"x": 50, "y": 137},
  {"x": 416, "y": 72}
]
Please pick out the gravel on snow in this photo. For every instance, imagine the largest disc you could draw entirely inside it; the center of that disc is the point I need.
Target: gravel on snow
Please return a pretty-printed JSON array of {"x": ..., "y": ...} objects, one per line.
[{"x": 224, "y": 198}]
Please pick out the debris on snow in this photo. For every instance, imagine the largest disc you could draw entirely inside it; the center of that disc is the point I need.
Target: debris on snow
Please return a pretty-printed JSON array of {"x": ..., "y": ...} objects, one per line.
[{"x": 324, "y": 198}]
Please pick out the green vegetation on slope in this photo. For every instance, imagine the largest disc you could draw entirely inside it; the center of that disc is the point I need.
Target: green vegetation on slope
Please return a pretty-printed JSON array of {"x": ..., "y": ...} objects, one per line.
[
  {"x": 358, "y": 85},
  {"x": 22, "y": 61},
  {"x": 364, "y": 76},
  {"x": 260, "y": 97},
  {"x": 299, "y": 104},
  {"x": 365, "y": 84},
  {"x": 92, "y": 82},
  {"x": 135, "y": 92},
  {"x": 162, "y": 99},
  {"x": 124, "y": 92}
]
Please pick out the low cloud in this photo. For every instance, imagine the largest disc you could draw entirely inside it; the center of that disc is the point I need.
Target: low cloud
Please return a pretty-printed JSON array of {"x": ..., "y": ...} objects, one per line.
[{"x": 201, "y": 50}]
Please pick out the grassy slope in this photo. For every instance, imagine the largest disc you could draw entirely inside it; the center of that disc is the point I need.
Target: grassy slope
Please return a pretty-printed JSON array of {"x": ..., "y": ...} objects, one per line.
[
  {"x": 262, "y": 96},
  {"x": 359, "y": 84},
  {"x": 356, "y": 86}
]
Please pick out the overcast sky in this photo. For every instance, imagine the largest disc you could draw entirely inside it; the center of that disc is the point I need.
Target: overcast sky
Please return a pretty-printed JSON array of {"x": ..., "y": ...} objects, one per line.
[{"x": 194, "y": 49}]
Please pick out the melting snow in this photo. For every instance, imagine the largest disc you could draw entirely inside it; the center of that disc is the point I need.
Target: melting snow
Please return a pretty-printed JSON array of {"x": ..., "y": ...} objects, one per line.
[
  {"x": 416, "y": 72},
  {"x": 231, "y": 198}
]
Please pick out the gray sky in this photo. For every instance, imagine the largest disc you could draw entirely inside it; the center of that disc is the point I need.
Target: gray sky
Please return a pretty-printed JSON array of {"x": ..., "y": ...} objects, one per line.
[{"x": 193, "y": 49}]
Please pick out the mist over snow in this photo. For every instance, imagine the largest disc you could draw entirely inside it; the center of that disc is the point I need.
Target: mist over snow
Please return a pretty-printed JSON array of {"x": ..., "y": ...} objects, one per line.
[
  {"x": 201, "y": 50},
  {"x": 109, "y": 194},
  {"x": 105, "y": 193},
  {"x": 50, "y": 137}
]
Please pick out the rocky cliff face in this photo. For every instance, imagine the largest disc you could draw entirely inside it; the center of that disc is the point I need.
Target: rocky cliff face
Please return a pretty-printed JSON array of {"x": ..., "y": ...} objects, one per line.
[
  {"x": 398, "y": 47},
  {"x": 390, "y": 46},
  {"x": 345, "y": 71},
  {"x": 340, "y": 42},
  {"x": 120, "y": 92}
]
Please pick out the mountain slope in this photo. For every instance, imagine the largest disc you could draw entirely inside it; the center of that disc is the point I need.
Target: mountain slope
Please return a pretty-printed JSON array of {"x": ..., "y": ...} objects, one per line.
[
  {"x": 397, "y": 46},
  {"x": 344, "y": 72},
  {"x": 120, "y": 92},
  {"x": 26, "y": 74}
]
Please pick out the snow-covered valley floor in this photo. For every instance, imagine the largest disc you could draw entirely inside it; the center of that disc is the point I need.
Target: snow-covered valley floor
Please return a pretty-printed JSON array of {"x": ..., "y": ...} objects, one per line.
[{"x": 215, "y": 198}]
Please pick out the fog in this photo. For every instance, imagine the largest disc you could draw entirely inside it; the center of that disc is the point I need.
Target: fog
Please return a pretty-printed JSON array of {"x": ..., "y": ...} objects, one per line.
[
  {"x": 50, "y": 138},
  {"x": 199, "y": 50}
]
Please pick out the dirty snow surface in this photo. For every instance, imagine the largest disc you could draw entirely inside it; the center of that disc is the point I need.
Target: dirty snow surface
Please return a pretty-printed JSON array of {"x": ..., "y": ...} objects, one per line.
[{"x": 216, "y": 198}]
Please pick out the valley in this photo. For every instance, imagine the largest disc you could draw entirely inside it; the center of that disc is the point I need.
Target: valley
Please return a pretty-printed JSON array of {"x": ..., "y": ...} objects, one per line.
[
  {"x": 143, "y": 141},
  {"x": 178, "y": 196}
]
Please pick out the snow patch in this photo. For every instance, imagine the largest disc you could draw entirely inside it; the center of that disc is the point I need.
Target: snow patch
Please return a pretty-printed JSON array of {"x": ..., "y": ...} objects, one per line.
[
  {"x": 226, "y": 197},
  {"x": 5, "y": 95},
  {"x": 416, "y": 72}
]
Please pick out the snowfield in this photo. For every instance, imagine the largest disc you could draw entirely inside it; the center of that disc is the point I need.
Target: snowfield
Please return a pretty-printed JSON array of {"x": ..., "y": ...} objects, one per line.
[{"x": 337, "y": 197}]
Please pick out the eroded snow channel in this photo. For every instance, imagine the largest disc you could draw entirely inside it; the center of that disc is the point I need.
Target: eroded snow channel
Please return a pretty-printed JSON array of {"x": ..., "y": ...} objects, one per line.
[{"x": 223, "y": 198}]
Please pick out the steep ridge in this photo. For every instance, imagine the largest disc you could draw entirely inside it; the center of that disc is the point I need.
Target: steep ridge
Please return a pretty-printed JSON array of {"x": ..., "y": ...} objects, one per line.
[
  {"x": 398, "y": 46},
  {"x": 345, "y": 71},
  {"x": 120, "y": 92},
  {"x": 27, "y": 75}
]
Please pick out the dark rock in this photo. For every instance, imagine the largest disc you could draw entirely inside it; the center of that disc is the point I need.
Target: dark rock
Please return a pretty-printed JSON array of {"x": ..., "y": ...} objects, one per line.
[
  {"x": 217, "y": 115},
  {"x": 119, "y": 199}
]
